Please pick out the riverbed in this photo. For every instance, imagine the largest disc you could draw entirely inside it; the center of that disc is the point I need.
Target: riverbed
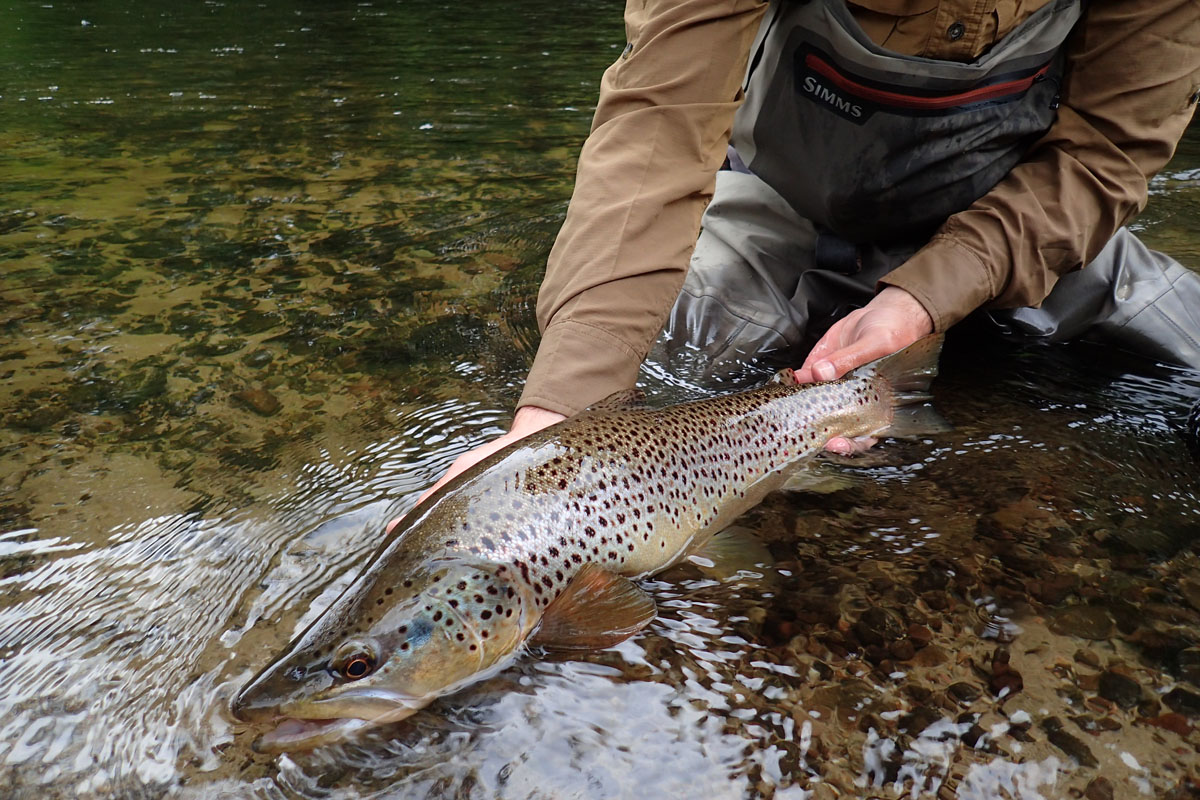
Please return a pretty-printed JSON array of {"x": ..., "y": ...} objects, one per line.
[{"x": 269, "y": 269}]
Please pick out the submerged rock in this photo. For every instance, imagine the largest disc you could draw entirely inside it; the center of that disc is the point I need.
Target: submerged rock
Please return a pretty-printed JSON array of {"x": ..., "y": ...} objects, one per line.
[
  {"x": 1120, "y": 689},
  {"x": 1085, "y": 622},
  {"x": 258, "y": 400},
  {"x": 1068, "y": 743}
]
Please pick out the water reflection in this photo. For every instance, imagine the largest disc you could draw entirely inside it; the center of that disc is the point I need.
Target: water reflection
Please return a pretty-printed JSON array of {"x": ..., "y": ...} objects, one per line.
[{"x": 260, "y": 294}]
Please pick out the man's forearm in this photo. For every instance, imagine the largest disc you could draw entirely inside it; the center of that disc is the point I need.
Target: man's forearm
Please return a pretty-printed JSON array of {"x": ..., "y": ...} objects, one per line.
[
  {"x": 1132, "y": 69},
  {"x": 645, "y": 175}
]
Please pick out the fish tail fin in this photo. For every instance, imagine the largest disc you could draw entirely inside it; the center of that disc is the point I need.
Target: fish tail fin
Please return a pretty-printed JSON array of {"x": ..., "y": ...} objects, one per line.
[{"x": 909, "y": 372}]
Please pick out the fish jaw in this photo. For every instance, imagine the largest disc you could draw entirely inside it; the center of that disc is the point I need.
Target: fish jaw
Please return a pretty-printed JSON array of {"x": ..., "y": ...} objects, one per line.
[
  {"x": 305, "y": 725},
  {"x": 421, "y": 644},
  {"x": 306, "y": 734}
]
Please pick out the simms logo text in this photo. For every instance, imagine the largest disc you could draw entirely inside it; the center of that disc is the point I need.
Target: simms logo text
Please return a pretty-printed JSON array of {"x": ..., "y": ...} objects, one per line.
[{"x": 831, "y": 98}]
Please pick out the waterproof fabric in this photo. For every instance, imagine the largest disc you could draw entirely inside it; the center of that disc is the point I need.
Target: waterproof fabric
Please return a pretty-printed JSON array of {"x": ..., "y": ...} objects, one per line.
[
  {"x": 762, "y": 289},
  {"x": 829, "y": 190},
  {"x": 878, "y": 146}
]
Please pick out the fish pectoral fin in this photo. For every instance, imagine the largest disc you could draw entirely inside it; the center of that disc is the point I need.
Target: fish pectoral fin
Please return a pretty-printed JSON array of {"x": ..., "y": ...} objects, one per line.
[
  {"x": 914, "y": 421},
  {"x": 625, "y": 398},
  {"x": 818, "y": 477},
  {"x": 598, "y": 609},
  {"x": 732, "y": 553}
]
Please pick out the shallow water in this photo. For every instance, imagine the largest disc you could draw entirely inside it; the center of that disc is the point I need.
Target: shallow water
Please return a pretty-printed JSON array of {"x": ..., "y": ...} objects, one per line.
[{"x": 269, "y": 269}]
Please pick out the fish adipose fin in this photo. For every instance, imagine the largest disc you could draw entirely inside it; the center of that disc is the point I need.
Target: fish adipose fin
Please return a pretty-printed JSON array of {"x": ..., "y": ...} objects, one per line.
[
  {"x": 598, "y": 609},
  {"x": 730, "y": 553},
  {"x": 910, "y": 372}
]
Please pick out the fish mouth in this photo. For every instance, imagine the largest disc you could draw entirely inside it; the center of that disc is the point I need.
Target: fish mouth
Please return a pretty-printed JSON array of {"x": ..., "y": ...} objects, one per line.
[
  {"x": 323, "y": 723},
  {"x": 292, "y": 733}
]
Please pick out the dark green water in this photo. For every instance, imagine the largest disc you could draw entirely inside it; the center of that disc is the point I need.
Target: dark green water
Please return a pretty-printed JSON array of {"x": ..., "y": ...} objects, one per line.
[{"x": 268, "y": 268}]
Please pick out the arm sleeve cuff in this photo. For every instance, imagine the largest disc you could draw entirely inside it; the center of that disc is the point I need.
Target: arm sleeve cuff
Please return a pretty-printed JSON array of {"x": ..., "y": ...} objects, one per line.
[
  {"x": 948, "y": 279},
  {"x": 578, "y": 364}
]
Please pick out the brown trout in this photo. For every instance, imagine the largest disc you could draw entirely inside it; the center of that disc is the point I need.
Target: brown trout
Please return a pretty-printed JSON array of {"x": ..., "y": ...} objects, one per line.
[{"x": 538, "y": 542}]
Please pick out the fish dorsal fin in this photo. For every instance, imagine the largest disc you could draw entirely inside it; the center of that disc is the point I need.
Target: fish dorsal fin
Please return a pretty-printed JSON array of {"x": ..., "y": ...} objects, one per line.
[
  {"x": 598, "y": 609},
  {"x": 786, "y": 377},
  {"x": 625, "y": 398},
  {"x": 730, "y": 553},
  {"x": 911, "y": 370}
]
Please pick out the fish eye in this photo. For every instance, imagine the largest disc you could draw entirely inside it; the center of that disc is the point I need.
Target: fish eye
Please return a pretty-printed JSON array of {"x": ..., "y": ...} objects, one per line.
[
  {"x": 354, "y": 660},
  {"x": 359, "y": 666}
]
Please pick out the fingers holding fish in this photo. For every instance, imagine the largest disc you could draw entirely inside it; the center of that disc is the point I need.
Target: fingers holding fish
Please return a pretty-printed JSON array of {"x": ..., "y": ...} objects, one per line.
[
  {"x": 528, "y": 419},
  {"x": 891, "y": 321}
]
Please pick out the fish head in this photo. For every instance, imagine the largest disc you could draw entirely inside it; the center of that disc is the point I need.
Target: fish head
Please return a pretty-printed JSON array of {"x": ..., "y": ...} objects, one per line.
[{"x": 384, "y": 650}]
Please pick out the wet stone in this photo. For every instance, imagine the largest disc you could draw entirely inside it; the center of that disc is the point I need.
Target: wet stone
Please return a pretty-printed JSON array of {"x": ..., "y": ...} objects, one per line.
[
  {"x": 936, "y": 601},
  {"x": 1161, "y": 646},
  {"x": 919, "y": 719},
  {"x": 1148, "y": 707},
  {"x": 1183, "y": 701},
  {"x": 1068, "y": 743},
  {"x": 931, "y": 656},
  {"x": 1120, "y": 689},
  {"x": 1099, "y": 789},
  {"x": 1191, "y": 592},
  {"x": 1055, "y": 589},
  {"x": 919, "y": 693},
  {"x": 1189, "y": 664},
  {"x": 1085, "y": 622},
  {"x": 902, "y": 650},
  {"x": 258, "y": 358},
  {"x": 1172, "y": 721},
  {"x": 963, "y": 693},
  {"x": 1087, "y": 658},
  {"x": 255, "y": 322},
  {"x": 258, "y": 400},
  {"x": 878, "y": 626},
  {"x": 919, "y": 635},
  {"x": 37, "y": 418}
]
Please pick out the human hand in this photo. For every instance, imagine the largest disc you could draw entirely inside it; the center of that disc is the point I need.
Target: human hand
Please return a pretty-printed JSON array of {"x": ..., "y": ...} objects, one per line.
[
  {"x": 528, "y": 419},
  {"x": 892, "y": 321}
]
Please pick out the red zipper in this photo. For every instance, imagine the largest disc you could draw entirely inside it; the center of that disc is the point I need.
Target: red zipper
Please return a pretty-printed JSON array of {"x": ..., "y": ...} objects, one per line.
[{"x": 895, "y": 99}]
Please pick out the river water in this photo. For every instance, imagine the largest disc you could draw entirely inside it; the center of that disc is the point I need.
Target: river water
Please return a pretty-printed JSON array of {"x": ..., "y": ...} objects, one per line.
[{"x": 269, "y": 268}]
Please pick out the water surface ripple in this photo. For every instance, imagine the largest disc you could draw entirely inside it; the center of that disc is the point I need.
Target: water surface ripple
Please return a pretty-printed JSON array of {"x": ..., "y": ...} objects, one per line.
[{"x": 269, "y": 269}]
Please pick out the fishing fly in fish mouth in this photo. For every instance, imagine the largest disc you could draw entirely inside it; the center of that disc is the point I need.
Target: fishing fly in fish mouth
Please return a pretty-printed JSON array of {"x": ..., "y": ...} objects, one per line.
[{"x": 539, "y": 542}]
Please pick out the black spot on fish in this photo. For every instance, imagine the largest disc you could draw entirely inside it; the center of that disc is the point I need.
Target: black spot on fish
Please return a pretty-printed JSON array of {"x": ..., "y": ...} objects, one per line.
[{"x": 488, "y": 543}]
